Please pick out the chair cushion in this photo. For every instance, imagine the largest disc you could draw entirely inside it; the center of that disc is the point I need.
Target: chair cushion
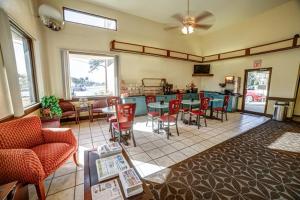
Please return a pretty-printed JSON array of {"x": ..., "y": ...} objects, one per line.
[
  {"x": 68, "y": 113},
  {"x": 112, "y": 119},
  {"x": 97, "y": 110},
  {"x": 53, "y": 155},
  {"x": 198, "y": 112},
  {"x": 165, "y": 118},
  {"x": 153, "y": 114},
  {"x": 124, "y": 126},
  {"x": 219, "y": 109}
]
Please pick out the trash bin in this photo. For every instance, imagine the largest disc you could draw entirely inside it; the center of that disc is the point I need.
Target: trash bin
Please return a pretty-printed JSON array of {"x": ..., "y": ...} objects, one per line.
[{"x": 280, "y": 111}]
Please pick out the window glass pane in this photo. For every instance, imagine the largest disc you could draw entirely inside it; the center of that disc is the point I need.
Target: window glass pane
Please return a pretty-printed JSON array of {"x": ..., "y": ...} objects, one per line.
[
  {"x": 91, "y": 75},
  {"x": 88, "y": 19},
  {"x": 24, "y": 67}
]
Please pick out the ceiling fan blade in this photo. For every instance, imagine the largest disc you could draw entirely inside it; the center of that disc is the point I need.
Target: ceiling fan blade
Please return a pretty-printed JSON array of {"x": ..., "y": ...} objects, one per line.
[
  {"x": 202, "y": 26},
  {"x": 178, "y": 17},
  {"x": 171, "y": 28},
  {"x": 202, "y": 16}
]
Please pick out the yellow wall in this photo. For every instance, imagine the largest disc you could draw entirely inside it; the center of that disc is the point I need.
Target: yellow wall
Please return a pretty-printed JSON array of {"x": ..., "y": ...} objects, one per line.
[
  {"x": 132, "y": 29},
  {"x": 279, "y": 23},
  {"x": 23, "y": 13}
]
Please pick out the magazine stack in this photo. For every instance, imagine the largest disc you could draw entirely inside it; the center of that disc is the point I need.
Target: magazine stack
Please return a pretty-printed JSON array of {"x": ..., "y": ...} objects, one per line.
[
  {"x": 132, "y": 184},
  {"x": 109, "y": 149}
]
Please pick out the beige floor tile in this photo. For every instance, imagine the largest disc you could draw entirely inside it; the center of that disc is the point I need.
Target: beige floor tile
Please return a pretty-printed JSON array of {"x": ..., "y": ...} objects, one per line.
[
  {"x": 32, "y": 191},
  {"x": 178, "y": 145},
  {"x": 65, "y": 169},
  {"x": 63, "y": 195},
  {"x": 134, "y": 150},
  {"x": 159, "y": 143},
  {"x": 177, "y": 156},
  {"x": 188, "y": 151},
  {"x": 148, "y": 146},
  {"x": 79, "y": 177},
  {"x": 61, "y": 183},
  {"x": 168, "y": 149},
  {"x": 148, "y": 168},
  {"x": 155, "y": 153},
  {"x": 140, "y": 158},
  {"x": 164, "y": 162},
  {"x": 79, "y": 192}
]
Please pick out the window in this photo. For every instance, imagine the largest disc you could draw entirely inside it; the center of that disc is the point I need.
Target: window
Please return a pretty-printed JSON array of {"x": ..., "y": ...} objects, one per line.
[
  {"x": 23, "y": 54},
  {"x": 80, "y": 17},
  {"x": 92, "y": 75}
]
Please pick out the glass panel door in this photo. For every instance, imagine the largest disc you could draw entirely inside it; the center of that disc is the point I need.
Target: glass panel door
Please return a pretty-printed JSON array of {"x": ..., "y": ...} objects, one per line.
[{"x": 256, "y": 90}]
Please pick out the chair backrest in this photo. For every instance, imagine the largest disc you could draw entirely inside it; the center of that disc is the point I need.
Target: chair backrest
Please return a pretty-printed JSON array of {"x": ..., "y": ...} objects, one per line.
[
  {"x": 125, "y": 112},
  {"x": 204, "y": 103},
  {"x": 174, "y": 106},
  {"x": 226, "y": 102},
  {"x": 179, "y": 97},
  {"x": 21, "y": 133},
  {"x": 113, "y": 100},
  {"x": 201, "y": 95},
  {"x": 66, "y": 105},
  {"x": 101, "y": 103},
  {"x": 150, "y": 99}
]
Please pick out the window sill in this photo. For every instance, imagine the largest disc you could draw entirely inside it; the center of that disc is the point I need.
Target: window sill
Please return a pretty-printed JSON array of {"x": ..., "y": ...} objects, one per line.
[{"x": 32, "y": 108}]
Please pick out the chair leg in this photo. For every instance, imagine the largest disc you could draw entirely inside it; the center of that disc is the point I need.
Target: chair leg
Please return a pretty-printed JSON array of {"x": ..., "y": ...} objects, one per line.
[
  {"x": 132, "y": 135},
  {"x": 75, "y": 159},
  {"x": 205, "y": 120},
  {"x": 40, "y": 190},
  {"x": 177, "y": 128},
  {"x": 222, "y": 117},
  {"x": 217, "y": 114},
  {"x": 147, "y": 121},
  {"x": 190, "y": 118},
  {"x": 168, "y": 132},
  {"x": 226, "y": 116},
  {"x": 92, "y": 117},
  {"x": 198, "y": 121}
]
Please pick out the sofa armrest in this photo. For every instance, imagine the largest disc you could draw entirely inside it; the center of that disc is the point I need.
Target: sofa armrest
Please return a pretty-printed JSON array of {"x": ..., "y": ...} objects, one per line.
[
  {"x": 64, "y": 135},
  {"x": 20, "y": 165}
]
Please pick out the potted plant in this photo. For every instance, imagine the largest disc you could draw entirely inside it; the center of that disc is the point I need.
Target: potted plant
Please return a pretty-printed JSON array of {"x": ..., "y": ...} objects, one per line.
[{"x": 50, "y": 107}]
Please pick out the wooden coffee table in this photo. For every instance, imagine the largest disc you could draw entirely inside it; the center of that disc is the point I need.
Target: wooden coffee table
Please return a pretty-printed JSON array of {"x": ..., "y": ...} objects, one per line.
[{"x": 91, "y": 177}]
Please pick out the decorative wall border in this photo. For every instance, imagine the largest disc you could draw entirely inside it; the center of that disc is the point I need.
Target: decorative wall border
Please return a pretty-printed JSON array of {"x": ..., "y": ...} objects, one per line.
[{"x": 281, "y": 45}]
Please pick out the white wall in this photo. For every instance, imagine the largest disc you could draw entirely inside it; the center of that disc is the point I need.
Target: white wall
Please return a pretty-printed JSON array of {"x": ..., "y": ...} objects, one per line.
[{"x": 130, "y": 29}]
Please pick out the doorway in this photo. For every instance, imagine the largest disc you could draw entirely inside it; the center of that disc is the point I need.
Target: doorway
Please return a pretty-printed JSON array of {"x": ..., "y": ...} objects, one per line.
[{"x": 256, "y": 90}]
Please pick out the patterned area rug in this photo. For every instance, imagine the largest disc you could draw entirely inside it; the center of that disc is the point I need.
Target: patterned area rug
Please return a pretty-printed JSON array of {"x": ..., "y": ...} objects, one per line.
[{"x": 243, "y": 167}]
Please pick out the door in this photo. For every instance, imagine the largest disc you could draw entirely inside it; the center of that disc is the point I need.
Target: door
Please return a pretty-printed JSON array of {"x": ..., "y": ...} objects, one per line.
[{"x": 256, "y": 90}]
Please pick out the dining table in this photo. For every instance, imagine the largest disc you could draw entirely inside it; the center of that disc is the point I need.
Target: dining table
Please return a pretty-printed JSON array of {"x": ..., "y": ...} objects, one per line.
[
  {"x": 190, "y": 103},
  {"x": 158, "y": 106}
]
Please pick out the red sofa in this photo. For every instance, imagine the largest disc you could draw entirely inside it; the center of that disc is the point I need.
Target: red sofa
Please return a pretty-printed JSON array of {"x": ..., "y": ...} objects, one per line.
[{"x": 29, "y": 154}]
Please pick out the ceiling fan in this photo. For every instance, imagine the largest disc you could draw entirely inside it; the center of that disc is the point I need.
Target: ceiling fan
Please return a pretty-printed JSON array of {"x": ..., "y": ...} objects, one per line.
[{"x": 189, "y": 22}]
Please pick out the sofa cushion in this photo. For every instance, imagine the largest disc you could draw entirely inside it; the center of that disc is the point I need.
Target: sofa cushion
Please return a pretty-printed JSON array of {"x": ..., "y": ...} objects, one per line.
[{"x": 53, "y": 155}]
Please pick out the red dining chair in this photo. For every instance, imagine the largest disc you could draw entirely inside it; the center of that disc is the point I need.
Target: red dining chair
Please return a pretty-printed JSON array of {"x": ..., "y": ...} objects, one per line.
[
  {"x": 96, "y": 107},
  {"x": 151, "y": 115},
  {"x": 125, "y": 117},
  {"x": 171, "y": 116},
  {"x": 112, "y": 101},
  {"x": 223, "y": 109},
  {"x": 201, "y": 95},
  {"x": 201, "y": 112},
  {"x": 182, "y": 110}
]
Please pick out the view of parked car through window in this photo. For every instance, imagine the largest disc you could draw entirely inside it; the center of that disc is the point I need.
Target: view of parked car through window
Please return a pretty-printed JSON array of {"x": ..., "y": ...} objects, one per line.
[{"x": 91, "y": 75}]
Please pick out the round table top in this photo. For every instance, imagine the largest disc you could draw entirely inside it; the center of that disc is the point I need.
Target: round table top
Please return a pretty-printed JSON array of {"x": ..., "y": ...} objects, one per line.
[
  {"x": 158, "y": 105},
  {"x": 109, "y": 110},
  {"x": 190, "y": 102}
]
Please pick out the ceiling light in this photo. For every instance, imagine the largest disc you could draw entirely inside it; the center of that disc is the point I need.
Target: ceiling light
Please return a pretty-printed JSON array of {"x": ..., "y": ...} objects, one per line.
[{"x": 187, "y": 30}]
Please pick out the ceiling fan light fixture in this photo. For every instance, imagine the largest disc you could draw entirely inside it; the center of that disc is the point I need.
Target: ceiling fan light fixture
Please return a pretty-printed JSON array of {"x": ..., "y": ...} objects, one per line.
[{"x": 187, "y": 30}]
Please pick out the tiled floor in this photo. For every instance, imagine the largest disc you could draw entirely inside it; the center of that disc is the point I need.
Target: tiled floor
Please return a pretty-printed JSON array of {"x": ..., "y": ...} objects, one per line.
[{"x": 153, "y": 152}]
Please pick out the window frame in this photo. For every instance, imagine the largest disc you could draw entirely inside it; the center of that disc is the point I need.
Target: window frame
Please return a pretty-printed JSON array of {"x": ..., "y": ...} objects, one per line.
[
  {"x": 116, "y": 70},
  {"x": 33, "y": 65},
  {"x": 91, "y": 14}
]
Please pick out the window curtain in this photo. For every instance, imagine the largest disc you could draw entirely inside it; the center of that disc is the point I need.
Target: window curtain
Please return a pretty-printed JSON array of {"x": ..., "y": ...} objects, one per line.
[
  {"x": 10, "y": 65},
  {"x": 66, "y": 74}
]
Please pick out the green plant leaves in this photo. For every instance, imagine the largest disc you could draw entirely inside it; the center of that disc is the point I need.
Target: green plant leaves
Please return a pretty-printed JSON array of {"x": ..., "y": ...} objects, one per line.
[{"x": 51, "y": 102}]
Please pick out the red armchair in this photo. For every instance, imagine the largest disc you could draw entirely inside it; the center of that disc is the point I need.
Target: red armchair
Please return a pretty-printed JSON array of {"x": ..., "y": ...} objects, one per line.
[
  {"x": 29, "y": 154},
  {"x": 96, "y": 107},
  {"x": 68, "y": 109}
]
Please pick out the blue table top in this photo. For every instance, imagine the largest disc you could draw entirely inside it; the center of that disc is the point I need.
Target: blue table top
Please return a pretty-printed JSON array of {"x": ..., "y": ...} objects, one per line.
[{"x": 158, "y": 105}]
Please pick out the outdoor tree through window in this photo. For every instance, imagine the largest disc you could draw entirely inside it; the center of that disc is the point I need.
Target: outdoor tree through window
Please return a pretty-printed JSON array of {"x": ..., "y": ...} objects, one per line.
[{"x": 91, "y": 75}]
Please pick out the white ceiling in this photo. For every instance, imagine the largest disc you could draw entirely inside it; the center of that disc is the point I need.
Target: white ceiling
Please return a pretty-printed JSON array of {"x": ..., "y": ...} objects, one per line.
[{"x": 226, "y": 12}]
